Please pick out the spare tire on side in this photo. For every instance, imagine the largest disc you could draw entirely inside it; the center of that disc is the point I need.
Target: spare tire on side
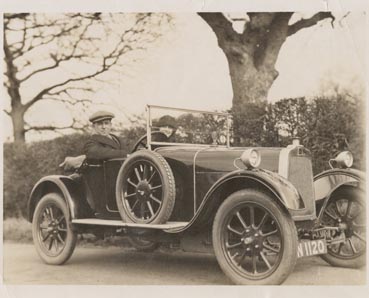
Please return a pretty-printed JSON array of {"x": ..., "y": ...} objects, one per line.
[{"x": 145, "y": 188}]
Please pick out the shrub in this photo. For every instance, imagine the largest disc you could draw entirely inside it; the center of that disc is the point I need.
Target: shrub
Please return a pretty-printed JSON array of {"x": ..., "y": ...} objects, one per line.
[
  {"x": 25, "y": 164},
  {"x": 248, "y": 124},
  {"x": 336, "y": 124},
  {"x": 17, "y": 229},
  {"x": 325, "y": 126}
]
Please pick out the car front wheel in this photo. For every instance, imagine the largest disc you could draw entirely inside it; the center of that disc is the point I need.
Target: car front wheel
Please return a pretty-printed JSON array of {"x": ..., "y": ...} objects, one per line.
[
  {"x": 53, "y": 236},
  {"x": 254, "y": 240}
]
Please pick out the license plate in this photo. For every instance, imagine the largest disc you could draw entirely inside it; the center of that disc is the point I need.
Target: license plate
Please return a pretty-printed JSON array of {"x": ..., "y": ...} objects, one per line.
[{"x": 307, "y": 248}]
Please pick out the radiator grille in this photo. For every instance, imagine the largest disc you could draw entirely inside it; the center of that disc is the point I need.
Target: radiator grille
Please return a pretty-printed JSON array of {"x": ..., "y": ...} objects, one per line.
[{"x": 300, "y": 175}]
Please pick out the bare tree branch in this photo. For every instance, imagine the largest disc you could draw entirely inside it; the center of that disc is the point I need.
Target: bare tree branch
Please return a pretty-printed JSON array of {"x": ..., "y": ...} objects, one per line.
[
  {"x": 60, "y": 41},
  {"x": 343, "y": 18},
  {"x": 221, "y": 26},
  {"x": 63, "y": 58},
  {"x": 71, "y": 101},
  {"x": 55, "y": 65},
  {"x": 252, "y": 55},
  {"x": 107, "y": 63},
  {"x": 10, "y": 16},
  {"x": 68, "y": 89},
  {"x": 305, "y": 23}
]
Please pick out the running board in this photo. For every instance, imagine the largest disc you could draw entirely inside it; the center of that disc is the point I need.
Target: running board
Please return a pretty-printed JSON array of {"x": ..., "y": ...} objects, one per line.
[{"x": 118, "y": 223}]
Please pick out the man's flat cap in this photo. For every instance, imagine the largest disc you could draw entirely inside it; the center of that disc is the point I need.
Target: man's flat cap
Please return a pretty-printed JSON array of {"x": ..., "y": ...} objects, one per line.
[{"x": 100, "y": 116}]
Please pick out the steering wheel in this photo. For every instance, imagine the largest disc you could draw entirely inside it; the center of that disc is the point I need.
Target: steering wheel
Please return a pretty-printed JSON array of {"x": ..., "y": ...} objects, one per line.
[{"x": 142, "y": 142}]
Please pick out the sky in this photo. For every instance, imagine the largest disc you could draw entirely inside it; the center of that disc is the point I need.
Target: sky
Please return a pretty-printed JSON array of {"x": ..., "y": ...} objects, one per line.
[{"x": 185, "y": 68}]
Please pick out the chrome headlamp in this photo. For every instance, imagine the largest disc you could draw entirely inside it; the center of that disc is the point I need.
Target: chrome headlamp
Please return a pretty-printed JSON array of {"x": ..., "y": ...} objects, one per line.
[
  {"x": 343, "y": 160},
  {"x": 251, "y": 158}
]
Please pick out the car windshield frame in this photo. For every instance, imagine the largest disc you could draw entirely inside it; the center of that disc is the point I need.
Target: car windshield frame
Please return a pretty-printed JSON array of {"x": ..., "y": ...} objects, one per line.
[{"x": 150, "y": 108}]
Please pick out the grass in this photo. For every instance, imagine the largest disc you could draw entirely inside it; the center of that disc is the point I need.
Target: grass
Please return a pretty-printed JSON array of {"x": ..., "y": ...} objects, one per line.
[{"x": 17, "y": 229}]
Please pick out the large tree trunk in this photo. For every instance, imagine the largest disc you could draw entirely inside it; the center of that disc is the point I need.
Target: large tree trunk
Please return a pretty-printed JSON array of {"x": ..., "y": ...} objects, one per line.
[
  {"x": 249, "y": 84},
  {"x": 19, "y": 132},
  {"x": 13, "y": 85},
  {"x": 18, "y": 109},
  {"x": 252, "y": 54}
]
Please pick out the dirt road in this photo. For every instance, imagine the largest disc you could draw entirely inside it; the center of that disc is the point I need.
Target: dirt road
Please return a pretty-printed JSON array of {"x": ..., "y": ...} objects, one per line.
[{"x": 118, "y": 266}]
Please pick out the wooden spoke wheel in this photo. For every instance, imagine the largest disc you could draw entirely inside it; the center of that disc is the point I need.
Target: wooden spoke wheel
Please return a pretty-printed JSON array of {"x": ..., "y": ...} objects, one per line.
[
  {"x": 255, "y": 242},
  {"x": 145, "y": 189},
  {"x": 53, "y": 236},
  {"x": 346, "y": 211}
]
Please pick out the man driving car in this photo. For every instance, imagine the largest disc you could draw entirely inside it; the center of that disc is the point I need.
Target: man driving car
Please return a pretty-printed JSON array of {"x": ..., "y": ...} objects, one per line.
[{"x": 103, "y": 144}]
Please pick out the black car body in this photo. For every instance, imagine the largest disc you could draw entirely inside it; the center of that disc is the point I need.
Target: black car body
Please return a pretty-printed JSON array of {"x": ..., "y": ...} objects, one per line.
[{"x": 257, "y": 218}]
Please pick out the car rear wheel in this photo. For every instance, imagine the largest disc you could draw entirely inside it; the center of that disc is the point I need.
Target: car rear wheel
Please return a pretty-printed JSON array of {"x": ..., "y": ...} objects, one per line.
[
  {"x": 346, "y": 210},
  {"x": 254, "y": 240},
  {"x": 145, "y": 189},
  {"x": 53, "y": 236}
]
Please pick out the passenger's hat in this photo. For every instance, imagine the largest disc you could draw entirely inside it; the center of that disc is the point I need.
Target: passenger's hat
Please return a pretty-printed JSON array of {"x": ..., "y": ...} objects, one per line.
[
  {"x": 100, "y": 116},
  {"x": 166, "y": 120}
]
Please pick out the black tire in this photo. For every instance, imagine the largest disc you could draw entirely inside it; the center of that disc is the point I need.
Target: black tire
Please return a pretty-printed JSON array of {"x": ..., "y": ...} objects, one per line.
[
  {"x": 346, "y": 209},
  {"x": 143, "y": 245},
  {"x": 255, "y": 241},
  {"x": 145, "y": 189},
  {"x": 52, "y": 233}
]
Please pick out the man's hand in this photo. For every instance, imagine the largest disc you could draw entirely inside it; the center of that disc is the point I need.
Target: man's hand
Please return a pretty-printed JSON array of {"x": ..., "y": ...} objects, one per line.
[{"x": 72, "y": 163}]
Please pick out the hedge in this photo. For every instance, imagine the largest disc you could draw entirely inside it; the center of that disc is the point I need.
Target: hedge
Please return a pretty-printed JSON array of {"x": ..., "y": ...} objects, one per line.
[
  {"x": 326, "y": 126},
  {"x": 25, "y": 164}
]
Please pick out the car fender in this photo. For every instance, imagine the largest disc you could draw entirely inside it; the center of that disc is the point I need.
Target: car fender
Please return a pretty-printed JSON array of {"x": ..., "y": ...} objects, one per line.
[
  {"x": 280, "y": 188},
  {"x": 64, "y": 185},
  {"x": 328, "y": 181}
]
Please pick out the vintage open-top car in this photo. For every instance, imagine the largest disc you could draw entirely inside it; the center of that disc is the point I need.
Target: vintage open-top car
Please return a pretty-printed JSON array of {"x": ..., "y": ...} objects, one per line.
[{"x": 257, "y": 209}]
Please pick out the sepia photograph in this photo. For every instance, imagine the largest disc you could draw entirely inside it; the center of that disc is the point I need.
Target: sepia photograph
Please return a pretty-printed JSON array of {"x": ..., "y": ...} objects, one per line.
[{"x": 207, "y": 147}]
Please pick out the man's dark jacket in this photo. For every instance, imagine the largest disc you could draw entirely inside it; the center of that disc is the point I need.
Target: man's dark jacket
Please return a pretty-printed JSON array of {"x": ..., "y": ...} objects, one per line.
[{"x": 100, "y": 147}]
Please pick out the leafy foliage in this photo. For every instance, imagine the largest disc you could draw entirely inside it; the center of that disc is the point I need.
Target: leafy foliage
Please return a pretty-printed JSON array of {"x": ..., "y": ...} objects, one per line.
[
  {"x": 336, "y": 124},
  {"x": 195, "y": 128},
  {"x": 248, "y": 124},
  {"x": 24, "y": 165},
  {"x": 325, "y": 126}
]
